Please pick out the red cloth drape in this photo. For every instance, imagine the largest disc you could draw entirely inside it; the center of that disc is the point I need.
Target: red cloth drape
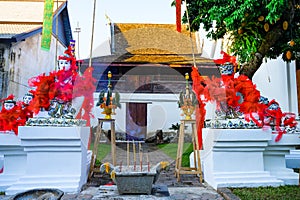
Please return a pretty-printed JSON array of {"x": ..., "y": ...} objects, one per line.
[
  {"x": 178, "y": 15},
  {"x": 199, "y": 89}
]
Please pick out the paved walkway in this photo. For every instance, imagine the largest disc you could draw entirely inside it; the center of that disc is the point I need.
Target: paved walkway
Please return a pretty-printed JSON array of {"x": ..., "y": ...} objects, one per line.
[{"x": 167, "y": 187}]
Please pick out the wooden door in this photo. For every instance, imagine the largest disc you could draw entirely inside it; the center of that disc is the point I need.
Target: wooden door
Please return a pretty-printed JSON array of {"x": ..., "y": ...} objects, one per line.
[{"x": 136, "y": 120}]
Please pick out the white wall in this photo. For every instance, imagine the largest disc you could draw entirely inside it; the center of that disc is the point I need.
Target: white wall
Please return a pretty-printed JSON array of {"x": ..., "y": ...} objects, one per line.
[
  {"x": 30, "y": 61},
  {"x": 162, "y": 111},
  {"x": 210, "y": 48},
  {"x": 276, "y": 79}
]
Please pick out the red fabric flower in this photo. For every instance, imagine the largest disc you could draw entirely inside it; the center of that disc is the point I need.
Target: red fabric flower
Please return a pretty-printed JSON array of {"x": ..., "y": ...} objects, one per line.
[
  {"x": 226, "y": 59},
  {"x": 238, "y": 94},
  {"x": 199, "y": 89},
  {"x": 63, "y": 86},
  {"x": 11, "y": 119},
  {"x": 44, "y": 84},
  {"x": 85, "y": 86}
]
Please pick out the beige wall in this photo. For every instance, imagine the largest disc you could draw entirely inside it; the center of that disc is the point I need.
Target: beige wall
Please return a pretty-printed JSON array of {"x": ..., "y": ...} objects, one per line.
[{"x": 30, "y": 60}]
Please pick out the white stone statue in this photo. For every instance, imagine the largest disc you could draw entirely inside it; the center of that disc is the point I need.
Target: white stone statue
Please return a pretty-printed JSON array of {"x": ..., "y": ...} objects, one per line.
[{"x": 9, "y": 104}]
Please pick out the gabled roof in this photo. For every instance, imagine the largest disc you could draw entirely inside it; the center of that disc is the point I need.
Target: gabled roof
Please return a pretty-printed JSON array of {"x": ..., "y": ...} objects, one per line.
[
  {"x": 24, "y": 10},
  {"x": 152, "y": 39},
  {"x": 20, "y": 19},
  {"x": 152, "y": 43},
  {"x": 7, "y": 31}
]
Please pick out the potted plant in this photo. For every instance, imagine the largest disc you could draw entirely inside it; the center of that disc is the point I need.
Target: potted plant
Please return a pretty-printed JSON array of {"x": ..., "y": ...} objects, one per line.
[{"x": 175, "y": 127}]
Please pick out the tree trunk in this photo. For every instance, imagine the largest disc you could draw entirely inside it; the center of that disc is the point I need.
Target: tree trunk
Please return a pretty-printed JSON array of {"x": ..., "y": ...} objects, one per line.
[{"x": 271, "y": 38}]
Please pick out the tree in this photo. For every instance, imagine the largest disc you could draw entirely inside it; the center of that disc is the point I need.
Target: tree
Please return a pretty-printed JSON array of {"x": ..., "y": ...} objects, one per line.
[{"x": 256, "y": 29}]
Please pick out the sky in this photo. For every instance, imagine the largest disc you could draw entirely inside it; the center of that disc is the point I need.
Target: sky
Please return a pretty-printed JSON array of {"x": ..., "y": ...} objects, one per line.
[{"x": 119, "y": 11}]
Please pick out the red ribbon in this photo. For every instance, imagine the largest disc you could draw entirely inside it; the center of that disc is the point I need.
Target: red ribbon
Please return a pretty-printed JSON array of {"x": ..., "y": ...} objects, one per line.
[
  {"x": 226, "y": 59},
  {"x": 198, "y": 88},
  {"x": 178, "y": 15}
]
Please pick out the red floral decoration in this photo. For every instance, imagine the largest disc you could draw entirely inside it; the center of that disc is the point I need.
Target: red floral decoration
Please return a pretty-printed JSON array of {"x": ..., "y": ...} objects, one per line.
[
  {"x": 43, "y": 83},
  {"x": 199, "y": 89},
  {"x": 11, "y": 119},
  {"x": 226, "y": 59},
  {"x": 85, "y": 86},
  {"x": 58, "y": 84},
  {"x": 64, "y": 82},
  {"x": 63, "y": 85},
  {"x": 239, "y": 94}
]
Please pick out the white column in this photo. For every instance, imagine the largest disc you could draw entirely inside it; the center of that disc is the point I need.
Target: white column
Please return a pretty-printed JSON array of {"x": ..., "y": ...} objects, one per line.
[
  {"x": 14, "y": 159},
  {"x": 276, "y": 79},
  {"x": 292, "y": 87}
]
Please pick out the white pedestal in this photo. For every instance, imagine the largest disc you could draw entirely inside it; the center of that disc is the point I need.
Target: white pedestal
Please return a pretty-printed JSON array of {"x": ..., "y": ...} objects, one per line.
[
  {"x": 234, "y": 158},
  {"x": 14, "y": 160},
  {"x": 274, "y": 158},
  {"x": 292, "y": 160},
  {"x": 56, "y": 158}
]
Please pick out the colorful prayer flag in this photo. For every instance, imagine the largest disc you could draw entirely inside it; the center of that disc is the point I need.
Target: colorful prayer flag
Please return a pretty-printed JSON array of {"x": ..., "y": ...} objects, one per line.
[{"x": 47, "y": 25}]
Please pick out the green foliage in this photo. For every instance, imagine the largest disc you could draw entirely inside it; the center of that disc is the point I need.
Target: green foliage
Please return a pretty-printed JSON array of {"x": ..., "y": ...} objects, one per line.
[
  {"x": 272, "y": 193},
  {"x": 275, "y": 8},
  {"x": 252, "y": 25}
]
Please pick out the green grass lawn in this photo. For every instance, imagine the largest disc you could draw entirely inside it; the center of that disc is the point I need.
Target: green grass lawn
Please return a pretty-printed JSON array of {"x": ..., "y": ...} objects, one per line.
[
  {"x": 291, "y": 192},
  {"x": 103, "y": 150},
  {"x": 171, "y": 150}
]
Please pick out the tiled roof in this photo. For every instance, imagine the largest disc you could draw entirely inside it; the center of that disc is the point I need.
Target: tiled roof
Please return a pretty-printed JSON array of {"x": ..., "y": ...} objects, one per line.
[
  {"x": 18, "y": 17},
  {"x": 153, "y": 39},
  {"x": 169, "y": 59},
  {"x": 10, "y": 30},
  {"x": 23, "y": 11},
  {"x": 153, "y": 44},
  {"x": 166, "y": 59}
]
